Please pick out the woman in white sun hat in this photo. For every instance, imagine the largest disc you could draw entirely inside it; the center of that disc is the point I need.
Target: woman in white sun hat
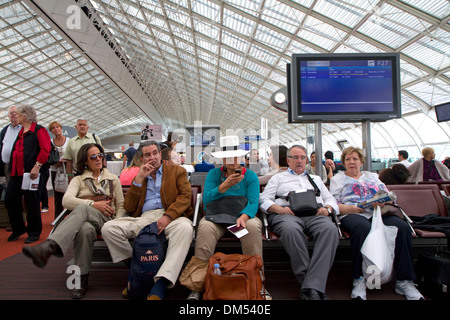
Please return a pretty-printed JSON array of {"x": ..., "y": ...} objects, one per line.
[{"x": 230, "y": 196}]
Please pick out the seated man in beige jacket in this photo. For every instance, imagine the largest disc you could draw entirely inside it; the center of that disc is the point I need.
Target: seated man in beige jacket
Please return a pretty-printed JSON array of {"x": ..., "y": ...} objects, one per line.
[
  {"x": 161, "y": 193},
  {"x": 87, "y": 217}
]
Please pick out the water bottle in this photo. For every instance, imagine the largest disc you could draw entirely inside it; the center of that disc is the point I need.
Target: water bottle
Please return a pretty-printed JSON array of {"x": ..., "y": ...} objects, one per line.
[{"x": 217, "y": 269}]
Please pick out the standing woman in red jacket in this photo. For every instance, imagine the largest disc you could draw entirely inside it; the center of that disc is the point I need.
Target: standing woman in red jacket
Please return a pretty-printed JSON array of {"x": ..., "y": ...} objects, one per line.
[{"x": 29, "y": 155}]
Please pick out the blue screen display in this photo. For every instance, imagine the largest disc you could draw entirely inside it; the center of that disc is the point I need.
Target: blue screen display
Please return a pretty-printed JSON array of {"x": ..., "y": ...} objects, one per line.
[
  {"x": 443, "y": 112},
  {"x": 346, "y": 86}
]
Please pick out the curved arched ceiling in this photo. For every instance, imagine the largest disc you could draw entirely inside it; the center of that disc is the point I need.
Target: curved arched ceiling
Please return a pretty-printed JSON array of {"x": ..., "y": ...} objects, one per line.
[{"x": 124, "y": 63}]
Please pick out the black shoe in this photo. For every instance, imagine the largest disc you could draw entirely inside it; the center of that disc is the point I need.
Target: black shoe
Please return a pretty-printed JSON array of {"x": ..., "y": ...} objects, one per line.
[
  {"x": 15, "y": 236},
  {"x": 80, "y": 293},
  {"x": 32, "y": 239},
  {"x": 310, "y": 294},
  {"x": 41, "y": 252},
  {"x": 323, "y": 296}
]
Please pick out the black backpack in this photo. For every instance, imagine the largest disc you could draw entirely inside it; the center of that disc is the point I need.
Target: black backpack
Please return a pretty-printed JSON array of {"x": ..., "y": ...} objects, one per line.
[{"x": 149, "y": 252}]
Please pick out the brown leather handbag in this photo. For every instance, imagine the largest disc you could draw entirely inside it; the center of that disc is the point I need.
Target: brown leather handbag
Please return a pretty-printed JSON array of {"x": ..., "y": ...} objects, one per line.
[
  {"x": 103, "y": 197},
  {"x": 241, "y": 277}
]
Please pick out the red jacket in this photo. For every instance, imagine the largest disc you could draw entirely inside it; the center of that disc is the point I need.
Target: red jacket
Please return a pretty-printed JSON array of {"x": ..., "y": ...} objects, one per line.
[{"x": 29, "y": 148}]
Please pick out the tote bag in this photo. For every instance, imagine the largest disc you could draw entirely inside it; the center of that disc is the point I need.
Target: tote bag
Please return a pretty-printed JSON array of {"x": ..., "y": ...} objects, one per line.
[
  {"x": 61, "y": 179},
  {"x": 378, "y": 251}
]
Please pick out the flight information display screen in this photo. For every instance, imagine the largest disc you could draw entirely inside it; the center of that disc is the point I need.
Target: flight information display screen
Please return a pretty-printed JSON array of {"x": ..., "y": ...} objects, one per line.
[{"x": 346, "y": 86}]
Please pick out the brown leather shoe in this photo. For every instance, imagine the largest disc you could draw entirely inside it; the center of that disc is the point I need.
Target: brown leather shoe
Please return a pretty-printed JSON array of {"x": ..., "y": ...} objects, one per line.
[
  {"x": 41, "y": 252},
  {"x": 80, "y": 293}
]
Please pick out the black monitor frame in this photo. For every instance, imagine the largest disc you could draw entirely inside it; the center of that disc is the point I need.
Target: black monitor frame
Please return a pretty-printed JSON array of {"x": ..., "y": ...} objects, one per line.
[
  {"x": 296, "y": 115},
  {"x": 439, "y": 112}
]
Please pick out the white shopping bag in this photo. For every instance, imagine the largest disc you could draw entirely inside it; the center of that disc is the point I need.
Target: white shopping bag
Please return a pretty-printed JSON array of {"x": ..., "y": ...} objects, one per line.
[{"x": 378, "y": 252}]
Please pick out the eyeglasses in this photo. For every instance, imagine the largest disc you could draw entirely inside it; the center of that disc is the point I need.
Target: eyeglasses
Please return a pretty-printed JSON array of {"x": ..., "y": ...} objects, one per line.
[
  {"x": 95, "y": 156},
  {"x": 303, "y": 158}
]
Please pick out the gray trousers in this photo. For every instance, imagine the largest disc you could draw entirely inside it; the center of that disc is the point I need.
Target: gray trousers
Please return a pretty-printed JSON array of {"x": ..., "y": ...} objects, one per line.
[
  {"x": 80, "y": 227},
  {"x": 311, "y": 272}
]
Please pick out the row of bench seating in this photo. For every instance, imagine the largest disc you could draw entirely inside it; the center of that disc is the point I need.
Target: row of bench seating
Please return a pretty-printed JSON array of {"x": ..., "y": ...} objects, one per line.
[{"x": 416, "y": 200}]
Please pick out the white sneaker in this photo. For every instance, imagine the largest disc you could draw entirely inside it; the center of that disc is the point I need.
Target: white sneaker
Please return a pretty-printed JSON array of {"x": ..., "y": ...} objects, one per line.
[
  {"x": 266, "y": 295},
  {"x": 194, "y": 295},
  {"x": 359, "y": 289},
  {"x": 407, "y": 288}
]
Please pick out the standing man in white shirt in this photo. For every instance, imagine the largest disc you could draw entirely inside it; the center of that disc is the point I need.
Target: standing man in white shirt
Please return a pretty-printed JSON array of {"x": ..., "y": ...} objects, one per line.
[
  {"x": 310, "y": 271},
  {"x": 403, "y": 158},
  {"x": 7, "y": 137}
]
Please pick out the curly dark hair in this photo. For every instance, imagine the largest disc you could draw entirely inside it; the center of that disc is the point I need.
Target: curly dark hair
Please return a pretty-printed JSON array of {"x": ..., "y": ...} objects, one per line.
[{"x": 397, "y": 174}]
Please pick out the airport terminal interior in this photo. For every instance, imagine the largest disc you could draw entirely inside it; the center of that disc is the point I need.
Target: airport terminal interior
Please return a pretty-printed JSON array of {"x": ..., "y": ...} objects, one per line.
[{"x": 196, "y": 70}]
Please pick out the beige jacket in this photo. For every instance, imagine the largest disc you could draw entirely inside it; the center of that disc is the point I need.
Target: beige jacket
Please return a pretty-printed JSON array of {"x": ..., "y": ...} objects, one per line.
[{"x": 78, "y": 188}]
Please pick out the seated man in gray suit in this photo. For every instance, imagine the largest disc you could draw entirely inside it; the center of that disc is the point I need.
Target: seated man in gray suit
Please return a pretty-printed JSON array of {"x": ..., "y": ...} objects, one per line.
[{"x": 311, "y": 272}]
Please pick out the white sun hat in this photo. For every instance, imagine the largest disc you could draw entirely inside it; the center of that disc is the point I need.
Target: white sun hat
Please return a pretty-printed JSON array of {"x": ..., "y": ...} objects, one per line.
[{"x": 230, "y": 148}]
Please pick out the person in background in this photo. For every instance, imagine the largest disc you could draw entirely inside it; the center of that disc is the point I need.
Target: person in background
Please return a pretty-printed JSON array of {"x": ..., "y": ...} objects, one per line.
[
  {"x": 351, "y": 187},
  {"x": 428, "y": 169},
  {"x": 331, "y": 167},
  {"x": 255, "y": 164},
  {"x": 169, "y": 143},
  {"x": 88, "y": 216},
  {"x": 29, "y": 157},
  {"x": 8, "y": 136},
  {"x": 60, "y": 143},
  {"x": 311, "y": 271},
  {"x": 127, "y": 175},
  {"x": 311, "y": 167},
  {"x": 128, "y": 155},
  {"x": 205, "y": 166},
  {"x": 403, "y": 158},
  {"x": 446, "y": 162},
  {"x": 75, "y": 143},
  {"x": 170, "y": 156},
  {"x": 397, "y": 174},
  {"x": 277, "y": 162}
]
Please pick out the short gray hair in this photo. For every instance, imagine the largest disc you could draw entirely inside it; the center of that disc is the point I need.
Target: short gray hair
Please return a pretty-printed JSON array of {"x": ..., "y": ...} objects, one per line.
[
  {"x": 27, "y": 111},
  {"x": 296, "y": 146},
  {"x": 146, "y": 144}
]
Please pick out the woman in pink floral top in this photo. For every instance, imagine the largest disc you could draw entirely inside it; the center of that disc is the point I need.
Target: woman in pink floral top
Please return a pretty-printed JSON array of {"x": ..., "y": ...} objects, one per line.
[{"x": 351, "y": 187}]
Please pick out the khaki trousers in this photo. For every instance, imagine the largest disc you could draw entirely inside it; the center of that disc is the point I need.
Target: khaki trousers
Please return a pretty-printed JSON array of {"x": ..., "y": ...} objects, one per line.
[
  {"x": 209, "y": 233},
  {"x": 179, "y": 233},
  {"x": 80, "y": 227}
]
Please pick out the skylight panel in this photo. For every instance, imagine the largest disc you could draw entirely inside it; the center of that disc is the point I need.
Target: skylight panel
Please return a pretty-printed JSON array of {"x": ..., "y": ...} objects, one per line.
[
  {"x": 271, "y": 38},
  {"x": 206, "y": 9},
  {"x": 431, "y": 52},
  {"x": 263, "y": 54},
  {"x": 437, "y": 8},
  {"x": 238, "y": 23},
  {"x": 281, "y": 15},
  {"x": 348, "y": 13}
]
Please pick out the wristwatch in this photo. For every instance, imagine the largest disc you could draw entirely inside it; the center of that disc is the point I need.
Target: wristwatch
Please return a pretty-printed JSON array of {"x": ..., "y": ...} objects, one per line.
[{"x": 330, "y": 210}]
